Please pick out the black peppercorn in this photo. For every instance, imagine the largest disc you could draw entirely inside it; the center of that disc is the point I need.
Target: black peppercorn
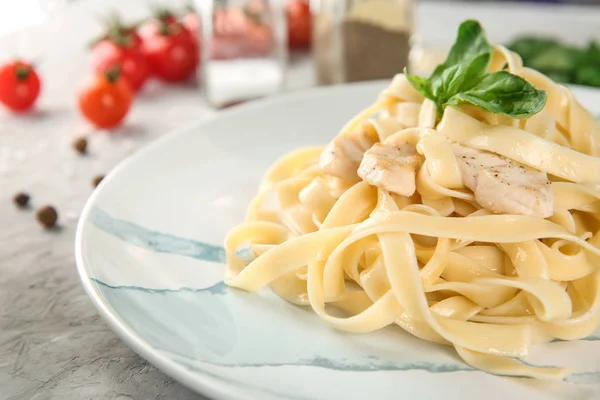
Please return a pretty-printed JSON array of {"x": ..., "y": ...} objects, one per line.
[
  {"x": 80, "y": 145},
  {"x": 21, "y": 200},
  {"x": 47, "y": 216}
]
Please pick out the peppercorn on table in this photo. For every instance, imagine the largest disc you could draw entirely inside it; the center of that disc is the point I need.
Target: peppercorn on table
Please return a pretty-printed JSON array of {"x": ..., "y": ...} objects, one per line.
[{"x": 53, "y": 344}]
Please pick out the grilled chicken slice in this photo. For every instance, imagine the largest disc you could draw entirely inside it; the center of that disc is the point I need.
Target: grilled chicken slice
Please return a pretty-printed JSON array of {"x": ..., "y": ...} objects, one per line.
[
  {"x": 391, "y": 166},
  {"x": 502, "y": 186},
  {"x": 342, "y": 156}
]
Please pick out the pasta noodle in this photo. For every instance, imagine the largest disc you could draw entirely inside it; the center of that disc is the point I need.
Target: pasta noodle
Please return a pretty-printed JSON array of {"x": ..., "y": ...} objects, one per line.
[{"x": 439, "y": 262}]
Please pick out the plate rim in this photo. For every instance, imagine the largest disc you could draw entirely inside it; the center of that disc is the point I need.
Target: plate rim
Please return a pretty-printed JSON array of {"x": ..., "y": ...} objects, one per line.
[{"x": 198, "y": 382}]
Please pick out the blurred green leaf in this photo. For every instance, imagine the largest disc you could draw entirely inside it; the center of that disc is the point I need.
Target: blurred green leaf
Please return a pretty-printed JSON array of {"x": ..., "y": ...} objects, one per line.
[
  {"x": 560, "y": 62},
  {"x": 588, "y": 75},
  {"x": 529, "y": 47},
  {"x": 555, "y": 58},
  {"x": 560, "y": 76}
]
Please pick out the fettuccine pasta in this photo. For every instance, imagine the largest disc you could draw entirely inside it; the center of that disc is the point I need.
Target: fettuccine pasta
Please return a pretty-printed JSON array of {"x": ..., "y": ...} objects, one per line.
[{"x": 477, "y": 231}]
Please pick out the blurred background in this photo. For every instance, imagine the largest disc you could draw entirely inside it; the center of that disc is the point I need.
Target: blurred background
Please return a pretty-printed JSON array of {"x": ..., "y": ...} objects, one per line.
[
  {"x": 15, "y": 15},
  {"x": 193, "y": 57},
  {"x": 564, "y": 31}
]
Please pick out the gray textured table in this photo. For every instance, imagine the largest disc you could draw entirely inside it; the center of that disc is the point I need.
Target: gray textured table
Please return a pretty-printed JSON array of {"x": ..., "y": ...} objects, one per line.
[{"x": 53, "y": 344}]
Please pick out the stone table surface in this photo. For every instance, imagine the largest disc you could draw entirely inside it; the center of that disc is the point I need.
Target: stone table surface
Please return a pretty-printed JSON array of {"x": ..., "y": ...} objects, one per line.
[{"x": 53, "y": 344}]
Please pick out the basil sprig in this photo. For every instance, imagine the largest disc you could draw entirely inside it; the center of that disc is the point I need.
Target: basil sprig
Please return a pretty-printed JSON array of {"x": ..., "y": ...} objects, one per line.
[{"x": 464, "y": 79}]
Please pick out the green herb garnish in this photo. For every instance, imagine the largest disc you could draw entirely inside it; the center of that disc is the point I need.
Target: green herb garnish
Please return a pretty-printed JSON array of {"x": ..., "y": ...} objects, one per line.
[
  {"x": 560, "y": 62},
  {"x": 464, "y": 79}
]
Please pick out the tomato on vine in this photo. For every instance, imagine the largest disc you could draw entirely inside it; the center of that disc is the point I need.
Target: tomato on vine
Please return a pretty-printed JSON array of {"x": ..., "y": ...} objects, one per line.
[{"x": 122, "y": 46}]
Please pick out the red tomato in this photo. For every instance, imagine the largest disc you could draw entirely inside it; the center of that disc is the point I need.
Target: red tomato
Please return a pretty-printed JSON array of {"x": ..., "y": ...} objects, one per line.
[
  {"x": 299, "y": 24},
  {"x": 172, "y": 52},
  {"x": 19, "y": 85},
  {"x": 131, "y": 60},
  {"x": 106, "y": 101}
]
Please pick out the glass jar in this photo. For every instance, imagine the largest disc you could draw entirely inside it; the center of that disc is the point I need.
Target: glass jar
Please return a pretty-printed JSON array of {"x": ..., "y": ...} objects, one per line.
[
  {"x": 244, "y": 49},
  {"x": 358, "y": 40}
]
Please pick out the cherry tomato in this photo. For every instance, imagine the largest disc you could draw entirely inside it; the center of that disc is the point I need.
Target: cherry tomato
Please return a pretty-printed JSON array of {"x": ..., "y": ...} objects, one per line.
[
  {"x": 172, "y": 52},
  {"x": 131, "y": 60},
  {"x": 106, "y": 101},
  {"x": 19, "y": 85},
  {"x": 299, "y": 24}
]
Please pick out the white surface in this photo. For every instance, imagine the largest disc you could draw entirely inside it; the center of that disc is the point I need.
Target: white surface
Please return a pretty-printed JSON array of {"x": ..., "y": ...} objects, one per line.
[
  {"x": 18, "y": 15},
  {"x": 52, "y": 343}
]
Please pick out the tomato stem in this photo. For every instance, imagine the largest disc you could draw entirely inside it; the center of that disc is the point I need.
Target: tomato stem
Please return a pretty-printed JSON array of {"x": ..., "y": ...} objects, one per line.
[
  {"x": 163, "y": 14},
  {"x": 116, "y": 31},
  {"x": 164, "y": 29},
  {"x": 22, "y": 71},
  {"x": 113, "y": 73}
]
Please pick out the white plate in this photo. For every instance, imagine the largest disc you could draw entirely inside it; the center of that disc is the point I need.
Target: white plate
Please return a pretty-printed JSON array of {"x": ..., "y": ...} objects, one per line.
[{"x": 149, "y": 253}]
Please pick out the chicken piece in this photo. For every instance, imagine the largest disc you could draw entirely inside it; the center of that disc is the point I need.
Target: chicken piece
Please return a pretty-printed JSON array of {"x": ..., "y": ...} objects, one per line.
[
  {"x": 342, "y": 156},
  {"x": 502, "y": 186},
  {"x": 392, "y": 167}
]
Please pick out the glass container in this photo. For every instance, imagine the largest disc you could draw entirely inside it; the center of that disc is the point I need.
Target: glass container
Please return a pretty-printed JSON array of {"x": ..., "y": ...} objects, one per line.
[
  {"x": 358, "y": 40},
  {"x": 244, "y": 49}
]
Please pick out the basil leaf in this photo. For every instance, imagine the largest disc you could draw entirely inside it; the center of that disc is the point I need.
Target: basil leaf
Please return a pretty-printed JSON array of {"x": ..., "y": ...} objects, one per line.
[
  {"x": 464, "y": 79},
  {"x": 436, "y": 80},
  {"x": 503, "y": 93},
  {"x": 421, "y": 85},
  {"x": 470, "y": 43},
  {"x": 464, "y": 76}
]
